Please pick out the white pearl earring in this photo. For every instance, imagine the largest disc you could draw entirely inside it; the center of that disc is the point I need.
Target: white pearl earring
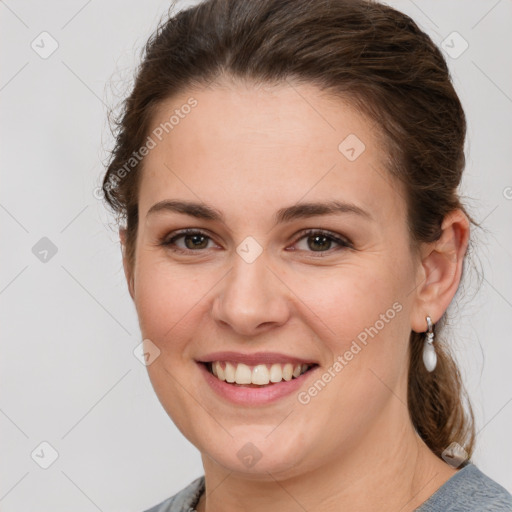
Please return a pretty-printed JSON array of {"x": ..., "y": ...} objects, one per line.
[{"x": 429, "y": 352}]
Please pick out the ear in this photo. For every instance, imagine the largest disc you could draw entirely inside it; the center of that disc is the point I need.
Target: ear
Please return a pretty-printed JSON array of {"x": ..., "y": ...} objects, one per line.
[
  {"x": 127, "y": 270},
  {"x": 440, "y": 271}
]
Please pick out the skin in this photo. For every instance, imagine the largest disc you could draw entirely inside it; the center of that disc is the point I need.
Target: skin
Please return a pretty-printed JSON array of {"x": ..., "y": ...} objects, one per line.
[{"x": 249, "y": 151}]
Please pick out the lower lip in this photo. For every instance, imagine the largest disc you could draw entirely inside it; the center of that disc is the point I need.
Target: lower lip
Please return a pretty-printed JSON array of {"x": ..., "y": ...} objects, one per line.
[{"x": 242, "y": 395}]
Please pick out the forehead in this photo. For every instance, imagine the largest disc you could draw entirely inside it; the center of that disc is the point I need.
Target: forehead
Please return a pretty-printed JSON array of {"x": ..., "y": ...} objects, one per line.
[{"x": 239, "y": 145}]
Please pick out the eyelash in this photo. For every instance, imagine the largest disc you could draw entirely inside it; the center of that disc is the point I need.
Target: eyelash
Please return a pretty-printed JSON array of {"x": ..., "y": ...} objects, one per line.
[{"x": 170, "y": 242}]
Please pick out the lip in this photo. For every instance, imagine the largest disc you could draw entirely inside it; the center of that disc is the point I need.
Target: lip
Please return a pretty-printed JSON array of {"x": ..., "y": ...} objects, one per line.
[
  {"x": 241, "y": 395},
  {"x": 254, "y": 359}
]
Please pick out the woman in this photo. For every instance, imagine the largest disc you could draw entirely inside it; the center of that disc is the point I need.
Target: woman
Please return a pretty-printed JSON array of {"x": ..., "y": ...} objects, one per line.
[{"x": 287, "y": 174}]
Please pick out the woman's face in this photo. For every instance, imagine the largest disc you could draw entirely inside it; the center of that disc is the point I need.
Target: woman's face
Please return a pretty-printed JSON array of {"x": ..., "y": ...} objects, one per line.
[{"x": 256, "y": 284}]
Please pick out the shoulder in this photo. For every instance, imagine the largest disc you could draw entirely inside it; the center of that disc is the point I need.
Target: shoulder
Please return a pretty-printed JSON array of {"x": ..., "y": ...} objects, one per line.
[
  {"x": 184, "y": 500},
  {"x": 469, "y": 490}
]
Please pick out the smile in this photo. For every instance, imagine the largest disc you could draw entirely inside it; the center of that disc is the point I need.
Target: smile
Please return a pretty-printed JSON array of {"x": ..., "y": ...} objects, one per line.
[{"x": 255, "y": 376}]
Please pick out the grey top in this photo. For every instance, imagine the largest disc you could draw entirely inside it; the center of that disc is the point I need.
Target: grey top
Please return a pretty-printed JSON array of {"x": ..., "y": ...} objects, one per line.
[{"x": 469, "y": 490}]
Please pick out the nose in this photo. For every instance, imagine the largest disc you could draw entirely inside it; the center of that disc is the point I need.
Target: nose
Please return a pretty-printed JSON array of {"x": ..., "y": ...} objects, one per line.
[{"x": 252, "y": 299}]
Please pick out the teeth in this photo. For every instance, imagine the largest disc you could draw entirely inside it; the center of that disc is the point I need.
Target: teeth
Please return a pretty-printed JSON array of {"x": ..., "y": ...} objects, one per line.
[
  {"x": 288, "y": 371},
  {"x": 218, "y": 371},
  {"x": 243, "y": 374},
  {"x": 229, "y": 372},
  {"x": 260, "y": 374},
  {"x": 276, "y": 373}
]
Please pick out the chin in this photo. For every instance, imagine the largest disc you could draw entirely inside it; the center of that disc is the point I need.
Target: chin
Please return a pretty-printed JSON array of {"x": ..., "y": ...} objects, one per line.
[
  {"x": 255, "y": 455},
  {"x": 260, "y": 467}
]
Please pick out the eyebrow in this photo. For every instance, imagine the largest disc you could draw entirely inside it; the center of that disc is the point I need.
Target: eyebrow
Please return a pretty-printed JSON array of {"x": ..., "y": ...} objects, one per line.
[{"x": 297, "y": 211}]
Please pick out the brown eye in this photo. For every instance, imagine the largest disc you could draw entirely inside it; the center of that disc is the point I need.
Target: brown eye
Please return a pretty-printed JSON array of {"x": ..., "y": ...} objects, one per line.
[
  {"x": 321, "y": 241},
  {"x": 193, "y": 241},
  {"x": 196, "y": 241}
]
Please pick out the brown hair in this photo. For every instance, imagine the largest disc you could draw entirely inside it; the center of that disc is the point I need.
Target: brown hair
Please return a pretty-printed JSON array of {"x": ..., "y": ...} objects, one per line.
[{"x": 363, "y": 51}]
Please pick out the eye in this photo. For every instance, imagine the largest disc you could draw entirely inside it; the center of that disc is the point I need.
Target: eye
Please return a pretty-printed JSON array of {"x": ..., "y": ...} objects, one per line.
[
  {"x": 194, "y": 241},
  {"x": 321, "y": 241}
]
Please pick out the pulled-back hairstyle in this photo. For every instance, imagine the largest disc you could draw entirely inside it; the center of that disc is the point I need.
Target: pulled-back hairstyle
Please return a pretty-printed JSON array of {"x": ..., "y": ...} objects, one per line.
[{"x": 367, "y": 53}]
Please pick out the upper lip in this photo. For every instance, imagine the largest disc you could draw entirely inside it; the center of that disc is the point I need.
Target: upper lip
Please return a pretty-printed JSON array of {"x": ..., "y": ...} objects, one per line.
[{"x": 254, "y": 359}]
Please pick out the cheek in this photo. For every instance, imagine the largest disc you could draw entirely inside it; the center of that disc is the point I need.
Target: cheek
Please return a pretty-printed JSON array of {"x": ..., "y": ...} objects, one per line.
[
  {"x": 170, "y": 304},
  {"x": 167, "y": 299},
  {"x": 363, "y": 319},
  {"x": 360, "y": 314},
  {"x": 347, "y": 300}
]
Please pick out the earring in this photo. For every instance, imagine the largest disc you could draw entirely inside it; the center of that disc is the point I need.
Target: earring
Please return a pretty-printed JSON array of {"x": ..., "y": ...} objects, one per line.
[{"x": 429, "y": 352}]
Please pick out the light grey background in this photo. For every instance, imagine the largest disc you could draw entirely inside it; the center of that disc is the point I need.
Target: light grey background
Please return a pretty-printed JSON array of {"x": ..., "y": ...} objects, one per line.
[{"x": 68, "y": 373}]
